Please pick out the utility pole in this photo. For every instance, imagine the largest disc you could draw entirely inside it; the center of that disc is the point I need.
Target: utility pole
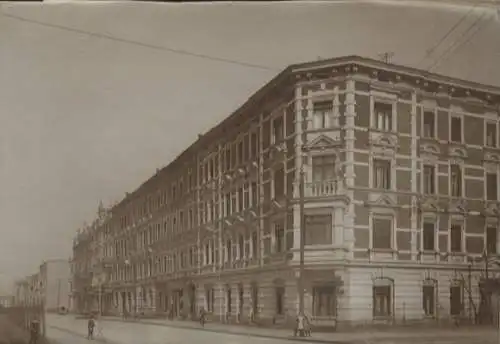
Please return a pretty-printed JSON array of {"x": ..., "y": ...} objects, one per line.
[
  {"x": 386, "y": 57},
  {"x": 302, "y": 241}
]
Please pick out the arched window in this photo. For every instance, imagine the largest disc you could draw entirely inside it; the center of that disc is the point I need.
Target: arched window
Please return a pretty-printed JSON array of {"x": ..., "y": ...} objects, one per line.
[{"x": 383, "y": 297}]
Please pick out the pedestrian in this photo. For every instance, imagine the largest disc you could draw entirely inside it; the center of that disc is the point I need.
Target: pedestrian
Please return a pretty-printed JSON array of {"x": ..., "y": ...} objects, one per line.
[
  {"x": 202, "y": 317},
  {"x": 34, "y": 331},
  {"x": 90, "y": 327},
  {"x": 307, "y": 325},
  {"x": 299, "y": 326}
]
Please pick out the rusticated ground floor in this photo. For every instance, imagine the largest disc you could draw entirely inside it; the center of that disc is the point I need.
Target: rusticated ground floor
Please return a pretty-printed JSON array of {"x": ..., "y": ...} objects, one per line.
[{"x": 334, "y": 296}]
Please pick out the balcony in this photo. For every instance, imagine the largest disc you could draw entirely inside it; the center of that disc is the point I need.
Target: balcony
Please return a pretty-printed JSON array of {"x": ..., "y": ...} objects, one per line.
[{"x": 324, "y": 188}]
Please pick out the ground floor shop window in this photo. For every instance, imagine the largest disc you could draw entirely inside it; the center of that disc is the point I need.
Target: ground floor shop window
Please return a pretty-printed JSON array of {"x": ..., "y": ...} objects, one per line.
[
  {"x": 255, "y": 299},
  {"x": 228, "y": 299},
  {"x": 456, "y": 299},
  {"x": 209, "y": 298},
  {"x": 429, "y": 297},
  {"x": 280, "y": 300},
  {"x": 324, "y": 301},
  {"x": 382, "y": 297}
]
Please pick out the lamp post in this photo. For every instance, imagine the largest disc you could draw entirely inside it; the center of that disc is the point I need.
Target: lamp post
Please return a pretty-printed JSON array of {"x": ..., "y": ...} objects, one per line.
[
  {"x": 134, "y": 282},
  {"x": 302, "y": 243}
]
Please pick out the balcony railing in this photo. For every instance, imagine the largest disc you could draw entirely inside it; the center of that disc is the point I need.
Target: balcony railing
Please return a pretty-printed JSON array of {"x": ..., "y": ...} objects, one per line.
[{"x": 323, "y": 188}]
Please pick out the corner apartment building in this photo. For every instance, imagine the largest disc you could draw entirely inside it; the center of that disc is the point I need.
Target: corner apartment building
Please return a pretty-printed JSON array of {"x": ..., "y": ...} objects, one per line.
[{"x": 401, "y": 198}]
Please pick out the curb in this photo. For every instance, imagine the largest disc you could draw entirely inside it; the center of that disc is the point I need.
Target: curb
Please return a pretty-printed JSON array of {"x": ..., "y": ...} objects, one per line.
[{"x": 238, "y": 333}]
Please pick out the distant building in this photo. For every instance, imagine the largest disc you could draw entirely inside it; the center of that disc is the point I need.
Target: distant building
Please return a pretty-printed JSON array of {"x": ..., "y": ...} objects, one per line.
[
  {"x": 50, "y": 285},
  {"x": 6, "y": 301},
  {"x": 401, "y": 173},
  {"x": 55, "y": 276}
]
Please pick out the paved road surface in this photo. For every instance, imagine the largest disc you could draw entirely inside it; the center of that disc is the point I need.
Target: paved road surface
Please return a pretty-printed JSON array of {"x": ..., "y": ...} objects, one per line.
[
  {"x": 72, "y": 331},
  {"x": 68, "y": 330}
]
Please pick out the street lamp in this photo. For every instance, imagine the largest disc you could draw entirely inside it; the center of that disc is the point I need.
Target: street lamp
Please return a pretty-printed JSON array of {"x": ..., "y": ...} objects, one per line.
[
  {"x": 134, "y": 276},
  {"x": 219, "y": 270}
]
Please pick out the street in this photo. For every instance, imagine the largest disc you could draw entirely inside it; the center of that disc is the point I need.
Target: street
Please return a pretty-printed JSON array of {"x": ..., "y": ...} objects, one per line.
[{"x": 69, "y": 330}]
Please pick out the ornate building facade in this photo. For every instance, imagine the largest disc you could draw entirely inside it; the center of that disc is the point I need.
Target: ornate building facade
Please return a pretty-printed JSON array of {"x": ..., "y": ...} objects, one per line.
[{"x": 400, "y": 201}]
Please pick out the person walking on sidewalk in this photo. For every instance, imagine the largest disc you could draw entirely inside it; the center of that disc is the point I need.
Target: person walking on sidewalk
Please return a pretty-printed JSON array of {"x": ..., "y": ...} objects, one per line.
[
  {"x": 90, "y": 327},
  {"x": 202, "y": 317},
  {"x": 34, "y": 331}
]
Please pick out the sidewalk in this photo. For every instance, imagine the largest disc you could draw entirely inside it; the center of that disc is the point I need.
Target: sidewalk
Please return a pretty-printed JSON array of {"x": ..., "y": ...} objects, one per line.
[{"x": 318, "y": 337}]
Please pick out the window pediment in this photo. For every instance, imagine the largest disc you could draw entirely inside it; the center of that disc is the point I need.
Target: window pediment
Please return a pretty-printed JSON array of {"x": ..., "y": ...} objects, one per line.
[
  {"x": 382, "y": 202},
  {"x": 459, "y": 206},
  {"x": 383, "y": 140},
  {"x": 491, "y": 157},
  {"x": 322, "y": 142},
  {"x": 430, "y": 204},
  {"x": 492, "y": 209},
  {"x": 429, "y": 148},
  {"x": 457, "y": 152}
]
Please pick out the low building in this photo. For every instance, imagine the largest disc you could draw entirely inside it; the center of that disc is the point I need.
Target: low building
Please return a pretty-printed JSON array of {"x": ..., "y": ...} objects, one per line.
[
  {"x": 6, "y": 301},
  {"x": 50, "y": 286},
  {"x": 389, "y": 174}
]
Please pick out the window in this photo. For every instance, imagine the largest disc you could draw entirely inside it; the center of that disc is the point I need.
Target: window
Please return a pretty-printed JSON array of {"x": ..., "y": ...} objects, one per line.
[
  {"x": 279, "y": 236},
  {"x": 279, "y": 182},
  {"x": 254, "y": 200},
  {"x": 382, "y": 300},
  {"x": 456, "y": 129},
  {"x": 280, "y": 300},
  {"x": 228, "y": 250},
  {"x": 383, "y": 116},
  {"x": 277, "y": 129},
  {"x": 321, "y": 112},
  {"x": 240, "y": 152},
  {"x": 456, "y": 305},
  {"x": 246, "y": 196},
  {"x": 382, "y": 233},
  {"x": 323, "y": 168},
  {"x": 255, "y": 245},
  {"x": 491, "y": 239},
  {"x": 255, "y": 298},
  {"x": 456, "y": 238},
  {"x": 228, "y": 299},
  {"x": 491, "y": 134},
  {"x": 429, "y": 236},
  {"x": 209, "y": 297},
  {"x": 241, "y": 246},
  {"x": 324, "y": 301},
  {"x": 240, "y": 200},
  {"x": 381, "y": 174},
  {"x": 228, "y": 204},
  {"x": 429, "y": 129},
  {"x": 429, "y": 179},
  {"x": 491, "y": 186},
  {"x": 429, "y": 299},
  {"x": 456, "y": 181},
  {"x": 254, "y": 145},
  {"x": 318, "y": 230}
]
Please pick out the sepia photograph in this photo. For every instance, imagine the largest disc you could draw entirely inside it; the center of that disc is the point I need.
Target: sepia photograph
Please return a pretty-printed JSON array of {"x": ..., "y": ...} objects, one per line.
[{"x": 250, "y": 172}]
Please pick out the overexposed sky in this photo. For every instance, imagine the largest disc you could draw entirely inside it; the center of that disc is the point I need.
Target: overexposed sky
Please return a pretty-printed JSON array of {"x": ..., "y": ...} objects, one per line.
[{"x": 86, "y": 114}]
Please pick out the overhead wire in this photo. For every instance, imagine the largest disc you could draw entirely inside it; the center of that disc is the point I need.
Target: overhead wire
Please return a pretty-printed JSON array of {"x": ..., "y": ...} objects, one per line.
[
  {"x": 458, "y": 43},
  {"x": 138, "y": 43},
  {"x": 431, "y": 50}
]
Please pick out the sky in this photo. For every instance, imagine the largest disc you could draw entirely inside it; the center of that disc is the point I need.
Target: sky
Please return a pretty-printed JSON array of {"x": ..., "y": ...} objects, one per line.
[{"x": 94, "y": 97}]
